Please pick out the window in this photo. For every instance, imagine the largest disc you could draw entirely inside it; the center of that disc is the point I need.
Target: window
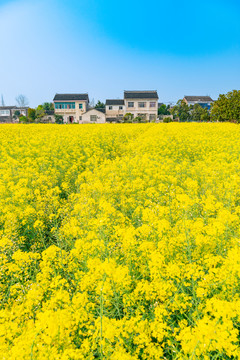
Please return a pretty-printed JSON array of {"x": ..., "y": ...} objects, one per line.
[
  {"x": 80, "y": 118},
  {"x": 120, "y": 107},
  {"x": 65, "y": 105},
  {"x": 141, "y": 104},
  {"x": 120, "y": 115},
  {"x": 93, "y": 117},
  {"x": 4, "y": 112},
  {"x": 152, "y": 104},
  {"x": 80, "y": 106},
  {"x": 131, "y": 104},
  {"x": 110, "y": 107}
]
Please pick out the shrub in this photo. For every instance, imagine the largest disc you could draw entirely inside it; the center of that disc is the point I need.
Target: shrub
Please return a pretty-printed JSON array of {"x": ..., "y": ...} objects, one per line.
[
  {"x": 23, "y": 119},
  {"x": 167, "y": 119}
]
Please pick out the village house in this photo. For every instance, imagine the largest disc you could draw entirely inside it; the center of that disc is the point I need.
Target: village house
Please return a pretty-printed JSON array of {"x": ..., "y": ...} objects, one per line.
[
  {"x": 74, "y": 108},
  {"x": 48, "y": 118},
  {"x": 93, "y": 116},
  {"x": 71, "y": 106},
  {"x": 204, "y": 101},
  {"x": 142, "y": 104},
  {"x": 115, "y": 110},
  {"x": 11, "y": 114}
]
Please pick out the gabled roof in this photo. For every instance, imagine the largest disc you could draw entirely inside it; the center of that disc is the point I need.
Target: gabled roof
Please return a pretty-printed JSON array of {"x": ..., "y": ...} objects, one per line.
[
  {"x": 102, "y": 110},
  {"x": 13, "y": 107},
  {"x": 71, "y": 97},
  {"x": 198, "y": 98},
  {"x": 141, "y": 94},
  {"x": 7, "y": 107},
  {"x": 114, "y": 102}
]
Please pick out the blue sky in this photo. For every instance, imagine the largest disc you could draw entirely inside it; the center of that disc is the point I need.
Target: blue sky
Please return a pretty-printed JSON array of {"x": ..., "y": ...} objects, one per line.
[{"x": 104, "y": 47}]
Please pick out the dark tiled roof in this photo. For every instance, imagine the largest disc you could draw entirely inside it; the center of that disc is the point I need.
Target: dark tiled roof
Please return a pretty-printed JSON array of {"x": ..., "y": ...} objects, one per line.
[
  {"x": 100, "y": 109},
  {"x": 7, "y": 107},
  {"x": 49, "y": 112},
  {"x": 114, "y": 102},
  {"x": 198, "y": 98},
  {"x": 141, "y": 94},
  {"x": 70, "y": 97},
  {"x": 13, "y": 107}
]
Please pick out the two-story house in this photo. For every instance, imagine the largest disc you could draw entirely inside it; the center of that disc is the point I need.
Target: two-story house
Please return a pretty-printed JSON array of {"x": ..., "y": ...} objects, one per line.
[
  {"x": 204, "y": 101},
  {"x": 142, "y": 103},
  {"x": 71, "y": 106},
  {"x": 115, "y": 110}
]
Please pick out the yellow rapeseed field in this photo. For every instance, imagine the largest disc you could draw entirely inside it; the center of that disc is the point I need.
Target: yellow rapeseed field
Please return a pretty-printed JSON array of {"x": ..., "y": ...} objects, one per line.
[{"x": 120, "y": 241}]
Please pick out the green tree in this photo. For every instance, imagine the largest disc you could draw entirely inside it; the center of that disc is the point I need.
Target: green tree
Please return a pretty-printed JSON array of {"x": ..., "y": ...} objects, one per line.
[
  {"x": 198, "y": 113},
  {"x": 181, "y": 110},
  {"x": 227, "y": 107},
  {"x": 164, "y": 110},
  {"x": 40, "y": 112},
  {"x": 58, "y": 119},
  {"x": 31, "y": 114},
  {"x": 100, "y": 105},
  {"x": 48, "y": 106}
]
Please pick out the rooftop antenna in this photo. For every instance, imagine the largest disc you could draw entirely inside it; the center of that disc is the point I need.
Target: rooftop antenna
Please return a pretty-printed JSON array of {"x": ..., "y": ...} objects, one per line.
[{"x": 2, "y": 100}]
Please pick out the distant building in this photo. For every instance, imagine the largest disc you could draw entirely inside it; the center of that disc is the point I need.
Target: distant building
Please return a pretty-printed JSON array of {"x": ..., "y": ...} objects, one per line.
[
  {"x": 115, "y": 110},
  {"x": 142, "y": 103},
  {"x": 71, "y": 106},
  {"x": 11, "y": 114},
  {"x": 74, "y": 108},
  {"x": 204, "y": 101},
  {"x": 48, "y": 118},
  {"x": 139, "y": 103},
  {"x": 93, "y": 116}
]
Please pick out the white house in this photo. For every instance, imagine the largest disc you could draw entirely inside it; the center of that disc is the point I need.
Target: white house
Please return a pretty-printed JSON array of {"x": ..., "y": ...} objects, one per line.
[
  {"x": 204, "y": 101},
  {"x": 93, "y": 116},
  {"x": 10, "y": 114},
  {"x": 71, "y": 106},
  {"x": 142, "y": 104},
  {"x": 115, "y": 110}
]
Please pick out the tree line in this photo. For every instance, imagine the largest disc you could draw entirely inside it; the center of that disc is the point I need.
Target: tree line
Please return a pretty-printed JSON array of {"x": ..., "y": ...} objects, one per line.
[{"x": 225, "y": 108}]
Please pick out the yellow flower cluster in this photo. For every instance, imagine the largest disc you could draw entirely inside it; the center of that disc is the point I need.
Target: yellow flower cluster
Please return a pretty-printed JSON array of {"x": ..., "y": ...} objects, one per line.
[{"x": 120, "y": 242}]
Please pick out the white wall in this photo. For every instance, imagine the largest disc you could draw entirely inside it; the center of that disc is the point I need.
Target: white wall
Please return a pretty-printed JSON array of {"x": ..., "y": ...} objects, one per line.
[
  {"x": 147, "y": 110},
  {"x": 86, "y": 117}
]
